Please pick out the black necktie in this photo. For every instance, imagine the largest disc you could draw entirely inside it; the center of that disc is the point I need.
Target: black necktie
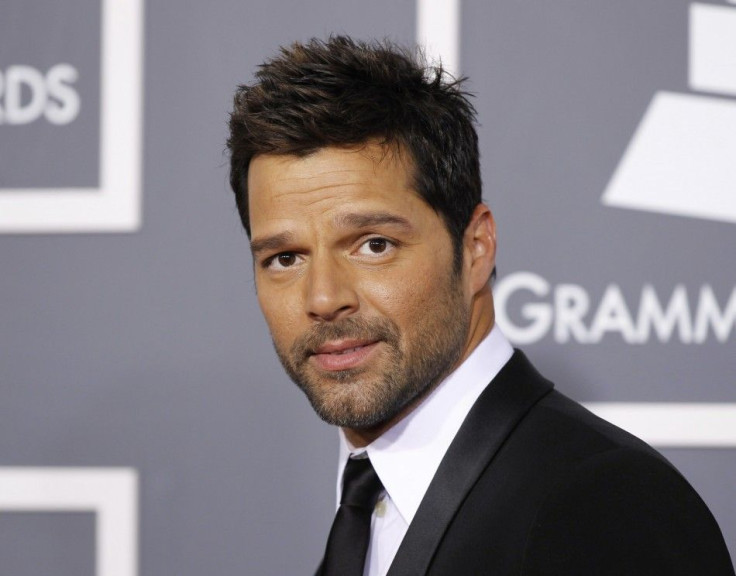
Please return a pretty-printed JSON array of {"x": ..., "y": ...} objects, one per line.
[{"x": 347, "y": 544}]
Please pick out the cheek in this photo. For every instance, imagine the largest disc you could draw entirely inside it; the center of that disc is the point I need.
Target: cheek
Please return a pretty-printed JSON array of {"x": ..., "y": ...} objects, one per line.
[
  {"x": 279, "y": 315},
  {"x": 402, "y": 296}
]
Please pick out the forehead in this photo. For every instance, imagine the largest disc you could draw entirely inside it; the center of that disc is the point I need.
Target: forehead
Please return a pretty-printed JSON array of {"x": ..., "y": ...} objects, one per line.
[{"x": 329, "y": 182}]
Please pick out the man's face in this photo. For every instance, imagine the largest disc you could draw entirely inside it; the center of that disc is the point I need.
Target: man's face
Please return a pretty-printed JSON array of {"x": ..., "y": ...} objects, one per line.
[{"x": 354, "y": 273}]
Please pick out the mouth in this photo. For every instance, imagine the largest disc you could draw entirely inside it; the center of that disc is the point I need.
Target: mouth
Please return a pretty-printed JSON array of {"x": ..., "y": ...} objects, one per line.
[{"x": 343, "y": 354}]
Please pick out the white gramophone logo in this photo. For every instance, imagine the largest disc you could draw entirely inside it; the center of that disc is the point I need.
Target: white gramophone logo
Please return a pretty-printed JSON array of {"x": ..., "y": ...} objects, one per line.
[{"x": 682, "y": 157}]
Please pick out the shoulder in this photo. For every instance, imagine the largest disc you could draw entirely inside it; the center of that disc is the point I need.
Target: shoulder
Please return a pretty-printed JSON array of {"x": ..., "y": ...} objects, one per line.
[
  {"x": 609, "y": 503},
  {"x": 538, "y": 485}
]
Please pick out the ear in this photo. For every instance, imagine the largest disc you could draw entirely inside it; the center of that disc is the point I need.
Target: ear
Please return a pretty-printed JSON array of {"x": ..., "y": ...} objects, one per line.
[{"x": 480, "y": 248}]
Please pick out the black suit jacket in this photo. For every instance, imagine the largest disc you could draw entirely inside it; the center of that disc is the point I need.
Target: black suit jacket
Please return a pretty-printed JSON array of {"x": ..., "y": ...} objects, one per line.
[{"x": 534, "y": 484}]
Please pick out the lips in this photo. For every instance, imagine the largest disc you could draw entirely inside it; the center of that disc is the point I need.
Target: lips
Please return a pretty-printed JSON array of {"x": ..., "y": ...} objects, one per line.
[{"x": 343, "y": 354}]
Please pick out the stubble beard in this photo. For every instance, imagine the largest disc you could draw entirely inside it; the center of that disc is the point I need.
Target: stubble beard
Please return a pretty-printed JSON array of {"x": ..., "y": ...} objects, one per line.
[{"x": 366, "y": 397}]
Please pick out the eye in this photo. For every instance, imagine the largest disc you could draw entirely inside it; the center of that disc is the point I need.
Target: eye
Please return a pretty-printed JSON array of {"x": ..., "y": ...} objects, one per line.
[
  {"x": 281, "y": 261},
  {"x": 375, "y": 246}
]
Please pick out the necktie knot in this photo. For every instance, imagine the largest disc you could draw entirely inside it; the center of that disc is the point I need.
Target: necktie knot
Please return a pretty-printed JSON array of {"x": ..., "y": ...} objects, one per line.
[{"x": 361, "y": 486}]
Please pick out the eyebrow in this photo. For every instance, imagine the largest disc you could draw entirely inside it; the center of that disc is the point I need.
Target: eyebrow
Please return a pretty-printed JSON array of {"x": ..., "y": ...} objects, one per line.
[
  {"x": 350, "y": 220},
  {"x": 366, "y": 220},
  {"x": 270, "y": 242}
]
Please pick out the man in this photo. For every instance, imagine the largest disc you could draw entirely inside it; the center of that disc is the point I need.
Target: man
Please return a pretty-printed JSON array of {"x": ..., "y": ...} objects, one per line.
[{"x": 356, "y": 175}]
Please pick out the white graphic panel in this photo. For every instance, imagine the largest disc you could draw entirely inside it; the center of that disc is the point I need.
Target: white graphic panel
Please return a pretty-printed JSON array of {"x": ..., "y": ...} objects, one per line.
[
  {"x": 673, "y": 425},
  {"x": 680, "y": 160},
  {"x": 713, "y": 48},
  {"x": 438, "y": 31},
  {"x": 111, "y": 493},
  {"x": 115, "y": 205}
]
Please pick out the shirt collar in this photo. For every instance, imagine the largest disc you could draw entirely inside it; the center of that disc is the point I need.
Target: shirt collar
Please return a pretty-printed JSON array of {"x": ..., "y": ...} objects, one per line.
[{"x": 407, "y": 455}]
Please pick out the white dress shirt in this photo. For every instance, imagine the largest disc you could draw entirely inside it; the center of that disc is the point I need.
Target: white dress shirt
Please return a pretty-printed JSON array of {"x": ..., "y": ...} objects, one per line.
[{"x": 407, "y": 456}]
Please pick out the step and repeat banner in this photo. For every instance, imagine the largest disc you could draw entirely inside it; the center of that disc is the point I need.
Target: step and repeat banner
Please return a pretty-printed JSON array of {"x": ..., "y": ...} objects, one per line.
[{"x": 146, "y": 426}]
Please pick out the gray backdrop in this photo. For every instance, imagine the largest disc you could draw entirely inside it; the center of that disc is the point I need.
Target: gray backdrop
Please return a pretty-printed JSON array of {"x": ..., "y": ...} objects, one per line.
[{"x": 147, "y": 350}]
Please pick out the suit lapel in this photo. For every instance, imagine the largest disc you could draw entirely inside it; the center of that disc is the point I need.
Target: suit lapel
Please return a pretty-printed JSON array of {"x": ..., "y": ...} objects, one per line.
[{"x": 516, "y": 388}]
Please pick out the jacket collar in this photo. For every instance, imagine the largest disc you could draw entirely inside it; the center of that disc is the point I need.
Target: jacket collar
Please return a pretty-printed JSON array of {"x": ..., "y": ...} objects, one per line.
[{"x": 516, "y": 388}]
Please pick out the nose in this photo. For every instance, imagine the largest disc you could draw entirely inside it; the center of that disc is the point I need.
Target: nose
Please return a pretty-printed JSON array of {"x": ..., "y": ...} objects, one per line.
[{"x": 330, "y": 290}]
